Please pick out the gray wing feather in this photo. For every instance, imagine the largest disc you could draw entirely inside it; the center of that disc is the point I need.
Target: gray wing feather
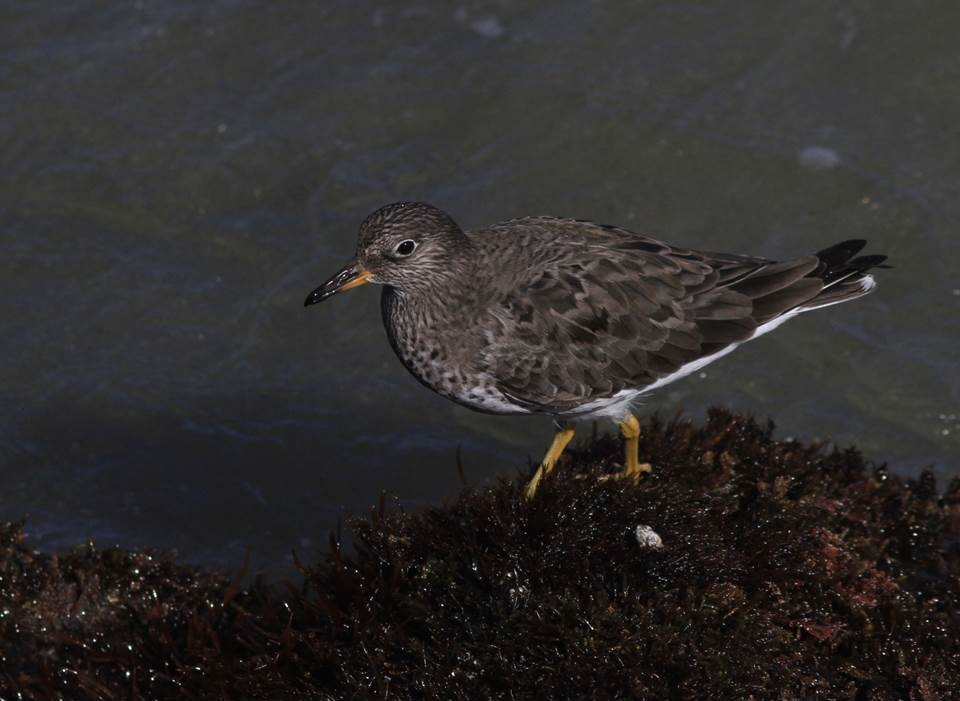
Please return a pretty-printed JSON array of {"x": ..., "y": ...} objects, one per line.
[{"x": 607, "y": 310}]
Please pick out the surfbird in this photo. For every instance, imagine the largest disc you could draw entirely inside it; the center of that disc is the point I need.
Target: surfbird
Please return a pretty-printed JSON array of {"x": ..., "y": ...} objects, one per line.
[{"x": 572, "y": 319}]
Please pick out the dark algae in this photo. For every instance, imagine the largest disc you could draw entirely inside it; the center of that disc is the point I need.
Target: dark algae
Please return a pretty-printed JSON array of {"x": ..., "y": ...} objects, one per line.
[{"x": 785, "y": 572}]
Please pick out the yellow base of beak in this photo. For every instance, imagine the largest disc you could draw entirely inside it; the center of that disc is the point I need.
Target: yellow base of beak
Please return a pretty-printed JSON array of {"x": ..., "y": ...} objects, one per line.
[{"x": 362, "y": 279}]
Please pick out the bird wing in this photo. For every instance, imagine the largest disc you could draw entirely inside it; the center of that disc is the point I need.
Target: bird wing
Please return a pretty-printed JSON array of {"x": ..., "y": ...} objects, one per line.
[{"x": 605, "y": 309}]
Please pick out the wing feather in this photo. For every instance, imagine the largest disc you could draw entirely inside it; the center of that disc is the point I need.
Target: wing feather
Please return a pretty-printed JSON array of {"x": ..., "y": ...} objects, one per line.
[{"x": 600, "y": 309}]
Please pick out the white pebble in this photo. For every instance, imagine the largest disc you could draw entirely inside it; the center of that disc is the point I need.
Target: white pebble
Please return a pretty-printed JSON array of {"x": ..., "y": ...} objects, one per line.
[{"x": 648, "y": 538}]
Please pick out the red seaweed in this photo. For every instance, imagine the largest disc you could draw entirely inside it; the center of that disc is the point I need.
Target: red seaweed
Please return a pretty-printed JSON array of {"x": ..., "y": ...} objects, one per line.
[{"x": 785, "y": 572}]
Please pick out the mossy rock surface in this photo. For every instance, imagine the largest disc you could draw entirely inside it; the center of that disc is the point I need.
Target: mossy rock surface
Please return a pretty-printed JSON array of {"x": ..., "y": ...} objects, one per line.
[{"x": 785, "y": 573}]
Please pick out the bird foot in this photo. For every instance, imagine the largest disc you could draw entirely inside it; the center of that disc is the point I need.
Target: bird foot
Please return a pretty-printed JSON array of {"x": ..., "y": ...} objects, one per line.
[
  {"x": 630, "y": 472},
  {"x": 532, "y": 485},
  {"x": 633, "y": 468},
  {"x": 564, "y": 434}
]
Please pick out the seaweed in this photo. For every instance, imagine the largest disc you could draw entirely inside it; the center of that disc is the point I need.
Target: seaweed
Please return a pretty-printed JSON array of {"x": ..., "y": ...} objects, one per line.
[{"x": 743, "y": 568}]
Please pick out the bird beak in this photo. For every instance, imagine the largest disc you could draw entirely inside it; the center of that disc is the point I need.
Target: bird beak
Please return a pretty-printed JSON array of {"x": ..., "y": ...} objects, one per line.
[{"x": 351, "y": 276}]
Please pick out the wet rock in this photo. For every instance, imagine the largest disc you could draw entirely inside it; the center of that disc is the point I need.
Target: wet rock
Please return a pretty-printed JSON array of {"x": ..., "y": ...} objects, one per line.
[{"x": 790, "y": 574}]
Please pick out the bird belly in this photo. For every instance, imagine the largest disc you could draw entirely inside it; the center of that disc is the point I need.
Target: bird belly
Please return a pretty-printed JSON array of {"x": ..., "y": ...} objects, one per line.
[
  {"x": 448, "y": 369},
  {"x": 476, "y": 391}
]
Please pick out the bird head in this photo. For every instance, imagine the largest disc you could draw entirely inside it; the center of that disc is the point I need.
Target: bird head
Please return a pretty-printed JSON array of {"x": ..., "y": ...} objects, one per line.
[{"x": 406, "y": 245}]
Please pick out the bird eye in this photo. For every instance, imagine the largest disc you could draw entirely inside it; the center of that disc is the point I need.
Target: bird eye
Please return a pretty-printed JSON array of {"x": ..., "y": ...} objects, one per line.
[{"x": 405, "y": 248}]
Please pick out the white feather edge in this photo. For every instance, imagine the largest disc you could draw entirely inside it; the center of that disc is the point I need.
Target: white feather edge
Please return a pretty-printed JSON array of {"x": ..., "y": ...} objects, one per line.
[{"x": 617, "y": 406}]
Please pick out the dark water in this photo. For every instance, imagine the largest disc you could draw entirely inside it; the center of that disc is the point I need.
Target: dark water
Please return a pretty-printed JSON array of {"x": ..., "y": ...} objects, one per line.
[{"x": 177, "y": 176}]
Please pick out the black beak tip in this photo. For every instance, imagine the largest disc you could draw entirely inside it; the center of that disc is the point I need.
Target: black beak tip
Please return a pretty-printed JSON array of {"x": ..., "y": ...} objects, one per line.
[{"x": 345, "y": 279}]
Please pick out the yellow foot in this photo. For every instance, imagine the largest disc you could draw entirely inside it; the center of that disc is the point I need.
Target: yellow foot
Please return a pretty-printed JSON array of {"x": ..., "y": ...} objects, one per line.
[
  {"x": 631, "y": 473},
  {"x": 632, "y": 467},
  {"x": 564, "y": 434}
]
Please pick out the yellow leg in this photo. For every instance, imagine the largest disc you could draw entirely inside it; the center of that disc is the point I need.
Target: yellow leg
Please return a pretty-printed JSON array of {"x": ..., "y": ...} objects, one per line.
[
  {"x": 630, "y": 430},
  {"x": 632, "y": 467},
  {"x": 564, "y": 434}
]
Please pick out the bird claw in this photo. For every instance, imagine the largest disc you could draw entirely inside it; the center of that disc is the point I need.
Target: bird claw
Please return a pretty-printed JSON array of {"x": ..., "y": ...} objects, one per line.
[{"x": 631, "y": 472}]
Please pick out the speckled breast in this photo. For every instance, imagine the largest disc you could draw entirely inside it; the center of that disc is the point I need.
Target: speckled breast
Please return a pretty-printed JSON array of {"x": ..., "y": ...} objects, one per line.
[{"x": 441, "y": 353}]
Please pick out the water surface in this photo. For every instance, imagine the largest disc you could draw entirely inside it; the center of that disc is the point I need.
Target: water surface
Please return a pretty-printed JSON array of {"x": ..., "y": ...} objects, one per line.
[{"x": 176, "y": 178}]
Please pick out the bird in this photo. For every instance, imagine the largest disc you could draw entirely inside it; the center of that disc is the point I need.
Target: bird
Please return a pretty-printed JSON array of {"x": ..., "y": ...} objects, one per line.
[{"x": 571, "y": 319}]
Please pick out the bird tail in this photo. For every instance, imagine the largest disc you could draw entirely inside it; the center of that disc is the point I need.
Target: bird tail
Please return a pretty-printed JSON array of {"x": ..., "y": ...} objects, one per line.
[{"x": 844, "y": 274}]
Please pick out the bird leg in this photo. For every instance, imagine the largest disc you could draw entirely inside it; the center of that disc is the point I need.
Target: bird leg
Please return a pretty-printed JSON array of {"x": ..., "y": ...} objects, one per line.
[
  {"x": 632, "y": 467},
  {"x": 564, "y": 434},
  {"x": 630, "y": 430}
]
